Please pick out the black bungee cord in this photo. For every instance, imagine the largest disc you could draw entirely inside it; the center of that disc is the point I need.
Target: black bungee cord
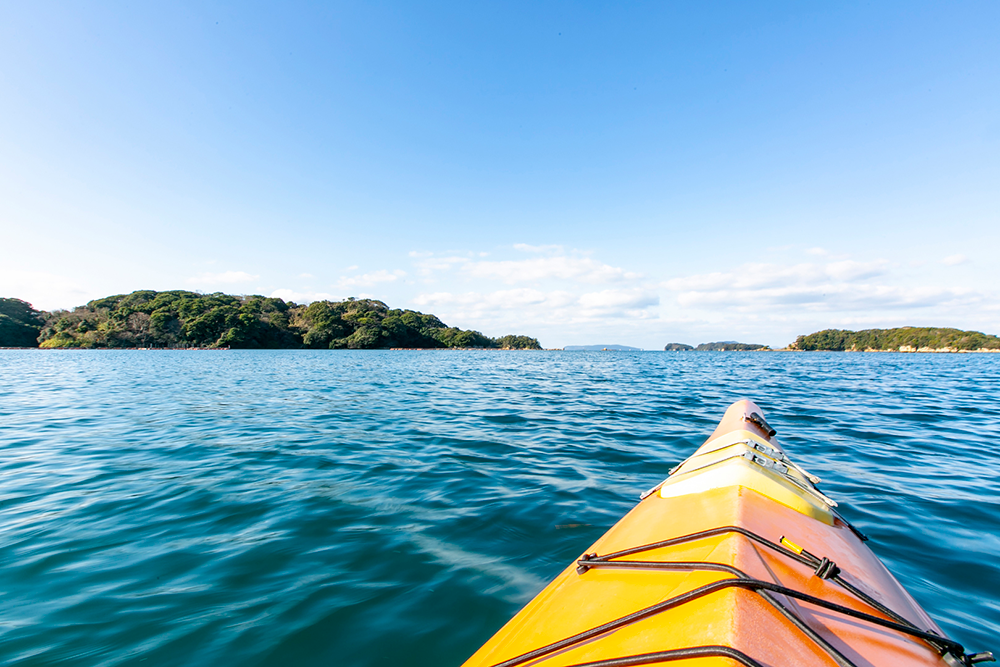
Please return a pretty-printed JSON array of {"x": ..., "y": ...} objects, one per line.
[{"x": 953, "y": 652}]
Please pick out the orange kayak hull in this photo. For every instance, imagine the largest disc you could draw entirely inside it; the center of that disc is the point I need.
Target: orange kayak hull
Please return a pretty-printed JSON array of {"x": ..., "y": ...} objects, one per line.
[{"x": 740, "y": 478}]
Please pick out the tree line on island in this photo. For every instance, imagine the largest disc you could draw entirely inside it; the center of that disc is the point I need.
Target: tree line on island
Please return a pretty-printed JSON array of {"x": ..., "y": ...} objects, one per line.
[
  {"x": 721, "y": 346},
  {"x": 181, "y": 319},
  {"x": 901, "y": 339}
]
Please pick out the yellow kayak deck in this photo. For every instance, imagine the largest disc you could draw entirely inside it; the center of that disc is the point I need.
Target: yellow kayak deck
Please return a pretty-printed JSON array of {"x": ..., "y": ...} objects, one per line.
[{"x": 742, "y": 572}]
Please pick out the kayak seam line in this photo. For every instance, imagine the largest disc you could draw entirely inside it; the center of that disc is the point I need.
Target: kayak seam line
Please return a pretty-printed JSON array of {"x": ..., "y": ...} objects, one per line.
[
  {"x": 760, "y": 539},
  {"x": 792, "y": 617},
  {"x": 758, "y": 585},
  {"x": 675, "y": 654},
  {"x": 754, "y": 585}
]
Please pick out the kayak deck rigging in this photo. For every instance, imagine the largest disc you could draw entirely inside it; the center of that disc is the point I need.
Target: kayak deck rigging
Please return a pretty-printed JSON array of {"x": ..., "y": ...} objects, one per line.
[
  {"x": 710, "y": 518},
  {"x": 824, "y": 569}
]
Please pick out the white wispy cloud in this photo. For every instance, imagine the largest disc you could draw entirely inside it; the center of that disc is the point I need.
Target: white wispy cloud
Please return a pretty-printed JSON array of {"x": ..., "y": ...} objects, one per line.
[
  {"x": 546, "y": 286},
  {"x": 504, "y": 299},
  {"x": 46, "y": 291},
  {"x": 560, "y": 267},
  {"x": 549, "y": 263},
  {"x": 551, "y": 249},
  {"x": 535, "y": 305},
  {"x": 569, "y": 294},
  {"x": 224, "y": 278},
  {"x": 370, "y": 279},
  {"x": 845, "y": 285},
  {"x": 619, "y": 300},
  {"x": 429, "y": 263},
  {"x": 953, "y": 260},
  {"x": 761, "y": 276},
  {"x": 303, "y": 297}
]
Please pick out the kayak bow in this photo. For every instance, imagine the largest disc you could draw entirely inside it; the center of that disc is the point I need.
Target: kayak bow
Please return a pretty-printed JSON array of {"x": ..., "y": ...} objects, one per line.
[{"x": 737, "y": 557}]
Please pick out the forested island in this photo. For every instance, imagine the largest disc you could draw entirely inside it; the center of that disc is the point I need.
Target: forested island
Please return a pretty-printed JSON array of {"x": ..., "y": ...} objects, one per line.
[
  {"x": 730, "y": 346},
  {"x": 902, "y": 339},
  {"x": 721, "y": 346},
  {"x": 181, "y": 319}
]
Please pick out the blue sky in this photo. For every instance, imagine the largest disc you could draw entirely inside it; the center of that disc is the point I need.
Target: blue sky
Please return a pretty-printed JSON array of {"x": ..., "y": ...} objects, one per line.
[{"x": 637, "y": 173}]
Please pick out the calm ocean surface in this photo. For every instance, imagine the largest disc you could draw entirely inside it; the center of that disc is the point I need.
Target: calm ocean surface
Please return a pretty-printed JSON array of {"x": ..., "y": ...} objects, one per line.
[{"x": 387, "y": 508}]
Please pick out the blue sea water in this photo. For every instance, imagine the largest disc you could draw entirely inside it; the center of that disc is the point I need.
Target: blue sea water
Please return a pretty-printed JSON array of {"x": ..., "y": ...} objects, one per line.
[{"x": 385, "y": 508}]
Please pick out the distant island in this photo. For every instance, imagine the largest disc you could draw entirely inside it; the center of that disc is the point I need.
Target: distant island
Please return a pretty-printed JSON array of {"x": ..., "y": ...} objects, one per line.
[
  {"x": 902, "y": 339},
  {"x": 730, "y": 346},
  {"x": 180, "y": 319},
  {"x": 721, "y": 346}
]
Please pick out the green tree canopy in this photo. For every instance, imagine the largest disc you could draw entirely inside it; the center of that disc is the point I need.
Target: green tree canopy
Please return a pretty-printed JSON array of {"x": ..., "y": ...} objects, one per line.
[
  {"x": 915, "y": 338},
  {"x": 187, "y": 319},
  {"x": 512, "y": 342},
  {"x": 20, "y": 324}
]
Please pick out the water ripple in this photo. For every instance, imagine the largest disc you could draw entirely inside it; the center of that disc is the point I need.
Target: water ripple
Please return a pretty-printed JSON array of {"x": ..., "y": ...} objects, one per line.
[{"x": 375, "y": 508}]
